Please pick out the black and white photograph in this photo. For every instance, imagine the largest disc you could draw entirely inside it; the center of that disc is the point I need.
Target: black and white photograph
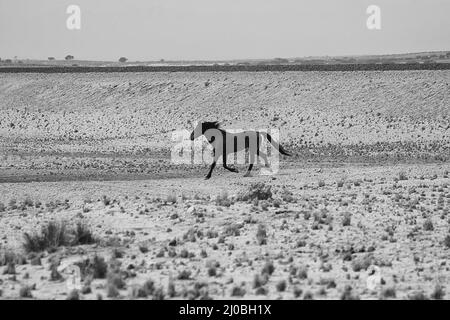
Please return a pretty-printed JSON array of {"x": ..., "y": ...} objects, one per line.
[{"x": 224, "y": 150}]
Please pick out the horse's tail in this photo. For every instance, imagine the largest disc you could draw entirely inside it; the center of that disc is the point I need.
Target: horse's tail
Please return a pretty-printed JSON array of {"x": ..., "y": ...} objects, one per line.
[{"x": 278, "y": 146}]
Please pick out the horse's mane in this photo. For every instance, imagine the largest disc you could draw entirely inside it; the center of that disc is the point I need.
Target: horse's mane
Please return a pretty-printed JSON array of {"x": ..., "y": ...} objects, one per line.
[{"x": 211, "y": 125}]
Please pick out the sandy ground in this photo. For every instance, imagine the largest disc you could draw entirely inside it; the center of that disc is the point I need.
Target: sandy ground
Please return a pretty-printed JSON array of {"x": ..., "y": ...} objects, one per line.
[
  {"x": 313, "y": 251},
  {"x": 360, "y": 211}
]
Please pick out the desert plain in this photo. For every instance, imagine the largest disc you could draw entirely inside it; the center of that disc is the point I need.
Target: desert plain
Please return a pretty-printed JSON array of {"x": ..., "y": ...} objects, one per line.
[{"x": 92, "y": 207}]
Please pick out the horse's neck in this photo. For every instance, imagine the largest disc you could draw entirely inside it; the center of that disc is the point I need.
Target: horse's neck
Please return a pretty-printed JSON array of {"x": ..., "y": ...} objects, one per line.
[{"x": 213, "y": 135}]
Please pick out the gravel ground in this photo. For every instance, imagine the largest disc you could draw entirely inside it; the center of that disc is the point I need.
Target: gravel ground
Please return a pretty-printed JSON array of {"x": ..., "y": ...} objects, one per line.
[{"x": 360, "y": 211}]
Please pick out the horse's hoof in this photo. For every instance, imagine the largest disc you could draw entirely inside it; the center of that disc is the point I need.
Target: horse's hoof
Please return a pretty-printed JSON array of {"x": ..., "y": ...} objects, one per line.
[
  {"x": 247, "y": 175},
  {"x": 207, "y": 177}
]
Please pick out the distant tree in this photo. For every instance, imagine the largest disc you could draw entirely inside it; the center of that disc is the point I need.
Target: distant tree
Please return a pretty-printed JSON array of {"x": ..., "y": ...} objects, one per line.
[
  {"x": 69, "y": 57},
  {"x": 51, "y": 58},
  {"x": 162, "y": 60},
  {"x": 123, "y": 59},
  {"x": 8, "y": 61}
]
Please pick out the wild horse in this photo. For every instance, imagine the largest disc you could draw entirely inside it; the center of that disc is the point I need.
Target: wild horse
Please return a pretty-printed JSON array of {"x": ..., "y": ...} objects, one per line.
[{"x": 225, "y": 143}]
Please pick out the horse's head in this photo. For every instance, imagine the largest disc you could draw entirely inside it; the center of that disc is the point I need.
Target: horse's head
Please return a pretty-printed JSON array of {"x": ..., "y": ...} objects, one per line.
[{"x": 202, "y": 127}]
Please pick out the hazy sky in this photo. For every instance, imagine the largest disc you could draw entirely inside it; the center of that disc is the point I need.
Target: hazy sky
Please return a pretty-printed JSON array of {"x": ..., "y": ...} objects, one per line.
[{"x": 220, "y": 29}]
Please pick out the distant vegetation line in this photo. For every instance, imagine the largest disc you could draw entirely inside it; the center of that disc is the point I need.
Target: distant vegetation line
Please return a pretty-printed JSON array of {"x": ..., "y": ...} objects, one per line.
[{"x": 229, "y": 68}]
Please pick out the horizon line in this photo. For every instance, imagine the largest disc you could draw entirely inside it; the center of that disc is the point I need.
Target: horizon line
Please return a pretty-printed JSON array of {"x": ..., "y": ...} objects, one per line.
[{"x": 236, "y": 59}]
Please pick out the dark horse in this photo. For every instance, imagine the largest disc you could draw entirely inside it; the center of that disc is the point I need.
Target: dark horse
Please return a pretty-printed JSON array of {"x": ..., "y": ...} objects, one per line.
[{"x": 225, "y": 143}]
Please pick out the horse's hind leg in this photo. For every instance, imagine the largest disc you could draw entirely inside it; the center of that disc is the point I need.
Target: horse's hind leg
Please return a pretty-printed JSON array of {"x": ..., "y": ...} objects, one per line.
[
  {"x": 250, "y": 167},
  {"x": 264, "y": 157},
  {"x": 247, "y": 174},
  {"x": 267, "y": 170}
]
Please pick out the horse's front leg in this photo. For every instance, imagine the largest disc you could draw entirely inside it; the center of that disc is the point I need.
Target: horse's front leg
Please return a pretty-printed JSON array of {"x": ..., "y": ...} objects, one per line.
[{"x": 213, "y": 165}]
